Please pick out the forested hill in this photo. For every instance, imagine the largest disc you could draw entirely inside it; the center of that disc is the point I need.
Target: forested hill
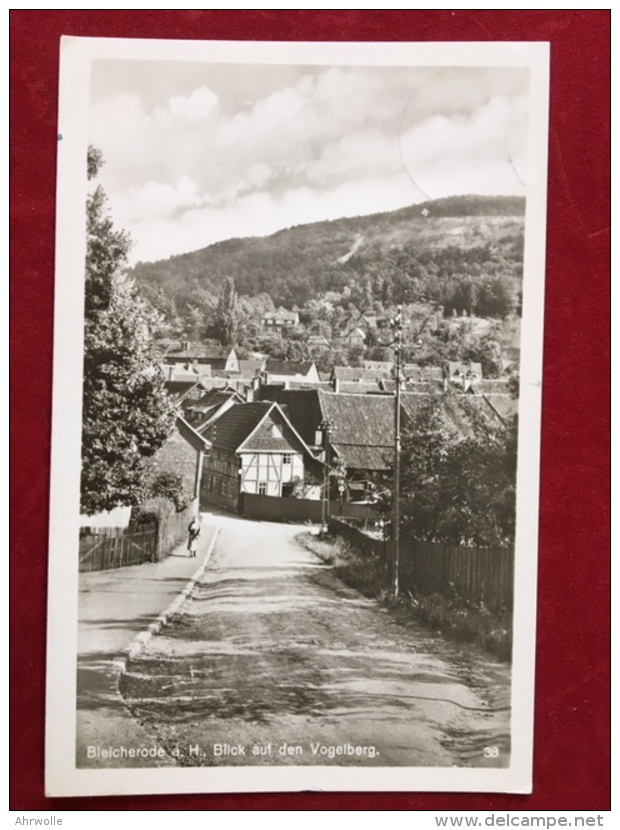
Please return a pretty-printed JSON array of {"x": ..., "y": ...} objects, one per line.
[{"x": 400, "y": 256}]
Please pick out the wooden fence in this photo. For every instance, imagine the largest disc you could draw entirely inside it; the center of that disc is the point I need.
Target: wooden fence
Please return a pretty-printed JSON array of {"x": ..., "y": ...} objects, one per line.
[
  {"x": 115, "y": 547},
  {"x": 473, "y": 574},
  {"x": 103, "y": 548},
  {"x": 272, "y": 508}
]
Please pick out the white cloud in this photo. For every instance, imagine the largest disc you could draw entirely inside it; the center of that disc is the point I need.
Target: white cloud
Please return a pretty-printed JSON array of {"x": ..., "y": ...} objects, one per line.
[
  {"x": 200, "y": 104},
  {"x": 334, "y": 142}
]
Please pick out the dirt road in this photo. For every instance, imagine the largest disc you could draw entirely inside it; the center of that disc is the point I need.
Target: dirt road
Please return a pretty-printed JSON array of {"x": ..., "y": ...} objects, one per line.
[{"x": 275, "y": 661}]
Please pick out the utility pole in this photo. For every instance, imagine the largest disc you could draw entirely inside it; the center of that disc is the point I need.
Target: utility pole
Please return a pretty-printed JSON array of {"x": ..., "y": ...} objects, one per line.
[
  {"x": 397, "y": 325},
  {"x": 326, "y": 426}
]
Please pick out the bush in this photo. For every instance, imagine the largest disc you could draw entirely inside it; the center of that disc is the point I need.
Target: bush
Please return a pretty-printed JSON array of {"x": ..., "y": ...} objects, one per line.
[
  {"x": 361, "y": 571},
  {"x": 150, "y": 512},
  {"x": 170, "y": 486},
  {"x": 466, "y": 621}
]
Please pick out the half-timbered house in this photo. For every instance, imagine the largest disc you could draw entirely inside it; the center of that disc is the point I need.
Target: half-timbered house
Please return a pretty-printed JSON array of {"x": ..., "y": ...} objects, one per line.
[{"x": 255, "y": 449}]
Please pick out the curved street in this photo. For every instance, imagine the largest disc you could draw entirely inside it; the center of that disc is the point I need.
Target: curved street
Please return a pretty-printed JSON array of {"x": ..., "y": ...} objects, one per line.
[{"x": 275, "y": 661}]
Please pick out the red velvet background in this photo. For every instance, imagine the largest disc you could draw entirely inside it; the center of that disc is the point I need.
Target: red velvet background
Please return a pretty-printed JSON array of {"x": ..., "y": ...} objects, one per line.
[{"x": 571, "y": 764}]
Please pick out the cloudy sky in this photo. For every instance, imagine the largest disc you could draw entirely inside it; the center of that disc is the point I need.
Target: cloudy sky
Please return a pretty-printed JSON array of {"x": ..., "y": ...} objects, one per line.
[{"x": 196, "y": 152}]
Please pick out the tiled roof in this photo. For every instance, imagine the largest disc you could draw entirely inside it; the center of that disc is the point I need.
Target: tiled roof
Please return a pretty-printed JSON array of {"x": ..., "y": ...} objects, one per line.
[
  {"x": 179, "y": 388},
  {"x": 249, "y": 426},
  {"x": 492, "y": 387},
  {"x": 504, "y": 405},
  {"x": 302, "y": 407},
  {"x": 197, "y": 441},
  {"x": 355, "y": 373},
  {"x": 380, "y": 365},
  {"x": 422, "y": 373},
  {"x": 215, "y": 397},
  {"x": 362, "y": 428},
  {"x": 359, "y": 387},
  {"x": 289, "y": 367},
  {"x": 231, "y": 430}
]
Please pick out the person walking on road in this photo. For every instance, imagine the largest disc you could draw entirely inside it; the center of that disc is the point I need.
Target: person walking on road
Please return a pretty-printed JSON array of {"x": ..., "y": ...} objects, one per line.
[{"x": 193, "y": 532}]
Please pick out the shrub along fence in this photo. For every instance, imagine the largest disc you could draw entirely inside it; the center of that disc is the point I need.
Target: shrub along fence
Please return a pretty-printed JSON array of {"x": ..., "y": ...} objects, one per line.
[
  {"x": 103, "y": 548},
  {"x": 473, "y": 574}
]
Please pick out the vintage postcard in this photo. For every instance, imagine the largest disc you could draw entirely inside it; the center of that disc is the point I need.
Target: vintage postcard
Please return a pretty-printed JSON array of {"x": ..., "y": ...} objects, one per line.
[{"x": 297, "y": 385}]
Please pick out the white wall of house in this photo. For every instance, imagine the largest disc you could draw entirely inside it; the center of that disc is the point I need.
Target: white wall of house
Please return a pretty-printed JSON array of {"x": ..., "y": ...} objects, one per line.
[{"x": 264, "y": 473}]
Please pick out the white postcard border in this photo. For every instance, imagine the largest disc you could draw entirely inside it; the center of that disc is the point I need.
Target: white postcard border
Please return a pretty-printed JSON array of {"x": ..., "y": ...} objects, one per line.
[{"x": 62, "y": 776}]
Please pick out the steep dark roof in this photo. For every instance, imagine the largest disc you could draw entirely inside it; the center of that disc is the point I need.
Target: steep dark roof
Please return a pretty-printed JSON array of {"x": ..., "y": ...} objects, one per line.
[
  {"x": 302, "y": 407},
  {"x": 231, "y": 430},
  {"x": 362, "y": 428},
  {"x": 505, "y": 406},
  {"x": 191, "y": 436},
  {"x": 216, "y": 397},
  {"x": 249, "y": 425},
  {"x": 180, "y": 388}
]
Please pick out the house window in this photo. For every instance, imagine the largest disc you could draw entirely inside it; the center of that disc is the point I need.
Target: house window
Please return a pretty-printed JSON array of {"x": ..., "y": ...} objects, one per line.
[
  {"x": 276, "y": 432},
  {"x": 286, "y": 458},
  {"x": 262, "y": 488}
]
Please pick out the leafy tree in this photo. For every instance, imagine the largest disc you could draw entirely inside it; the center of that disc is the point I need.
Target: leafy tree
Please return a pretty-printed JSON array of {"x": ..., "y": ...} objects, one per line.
[
  {"x": 127, "y": 414},
  {"x": 226, "y": 317},
  {"x": 487, "y": 351},
  {"x": 457, "y": 487},
  {"x": 170, "y": 486}
]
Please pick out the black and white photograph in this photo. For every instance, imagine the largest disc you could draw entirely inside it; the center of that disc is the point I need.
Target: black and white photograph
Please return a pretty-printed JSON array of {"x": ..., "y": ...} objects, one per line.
[{"x": 295, "y": 449}]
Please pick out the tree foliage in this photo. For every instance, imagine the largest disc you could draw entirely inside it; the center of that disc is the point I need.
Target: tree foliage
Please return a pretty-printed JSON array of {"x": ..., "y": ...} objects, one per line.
[
  {"x": 127, "y": 414},
  {"x": 458, "y": 487},
  {"x": 226, "y": 317}
]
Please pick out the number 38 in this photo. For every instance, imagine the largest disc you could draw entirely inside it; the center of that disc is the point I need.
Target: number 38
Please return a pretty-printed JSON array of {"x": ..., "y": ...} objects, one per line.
[{"x": 491, "y": 751}]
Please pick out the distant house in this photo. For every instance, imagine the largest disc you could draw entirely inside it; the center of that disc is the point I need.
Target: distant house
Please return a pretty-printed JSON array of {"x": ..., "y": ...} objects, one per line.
[
  {"x": 361, "y": 430},
  {"x": 355, "y": 374},
  {"x": 463, "y": 374},
  {"x": 255, "y": 449},
  {"x": 276, "y": 320},
  {"x": 414, "y": 373},
  {"x": 354, "y": 337},
  {"x": 361, "y": 434},
  {"x": 186, "y": 389},
  {"x": 318, "y": 344},
  {"x": 211, "y": 405},
  {"x": 281, "y": 371},
  {"x": 359, "y": 319},
  {"x": 200, "y": 354}
]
